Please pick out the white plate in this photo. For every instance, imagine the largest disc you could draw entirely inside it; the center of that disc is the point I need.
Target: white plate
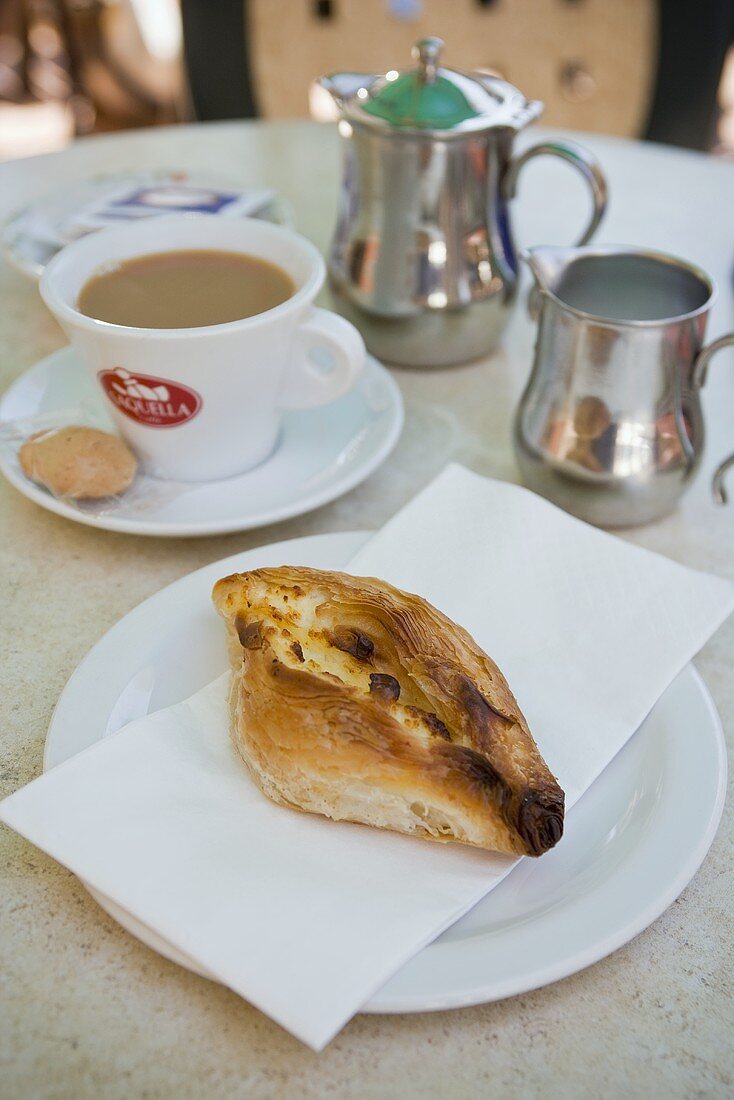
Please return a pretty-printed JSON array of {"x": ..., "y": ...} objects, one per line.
[
  {"x": 322, "y": 454},
  {"x": 632, "y": 843},
  {"x": 31, "y": 237}
]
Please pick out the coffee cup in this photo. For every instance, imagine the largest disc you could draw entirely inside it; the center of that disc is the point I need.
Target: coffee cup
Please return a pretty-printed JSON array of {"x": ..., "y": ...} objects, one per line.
[{"x": 198, "y": 404}]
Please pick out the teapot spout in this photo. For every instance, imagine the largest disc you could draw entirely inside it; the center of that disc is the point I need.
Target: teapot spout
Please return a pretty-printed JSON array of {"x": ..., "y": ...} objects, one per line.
[{"x": 341, "y": 86}]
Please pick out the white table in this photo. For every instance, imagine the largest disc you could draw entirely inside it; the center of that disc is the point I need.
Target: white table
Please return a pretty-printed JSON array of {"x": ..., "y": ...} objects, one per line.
[{"x": 86, "y": 1010}]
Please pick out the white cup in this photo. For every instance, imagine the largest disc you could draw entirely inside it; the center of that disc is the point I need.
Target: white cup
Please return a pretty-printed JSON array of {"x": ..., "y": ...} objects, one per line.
[{"x": 198, "y": 404}]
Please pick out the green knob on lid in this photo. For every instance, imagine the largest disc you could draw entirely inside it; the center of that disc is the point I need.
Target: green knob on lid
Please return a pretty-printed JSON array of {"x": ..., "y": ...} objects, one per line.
[
  {"x": 430, "y": 99},
  {"x": 422, "y": 99}
]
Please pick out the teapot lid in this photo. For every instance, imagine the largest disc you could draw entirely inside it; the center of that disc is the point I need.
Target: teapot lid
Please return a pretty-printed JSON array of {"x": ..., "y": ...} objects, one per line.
[{"x": 434, "y": 99}]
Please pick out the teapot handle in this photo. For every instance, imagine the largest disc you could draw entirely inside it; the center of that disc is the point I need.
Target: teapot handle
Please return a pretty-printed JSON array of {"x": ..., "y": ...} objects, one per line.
[
  {"x": 582, "y": 160},
  {"x": 700, "y": 371}
]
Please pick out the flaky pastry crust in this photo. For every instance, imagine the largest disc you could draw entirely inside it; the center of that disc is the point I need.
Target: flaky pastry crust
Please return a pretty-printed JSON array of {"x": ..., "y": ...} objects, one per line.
[{"x": 355, "y": 700}]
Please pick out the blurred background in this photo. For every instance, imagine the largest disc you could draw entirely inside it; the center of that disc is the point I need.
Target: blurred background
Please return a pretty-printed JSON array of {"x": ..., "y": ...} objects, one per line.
[{"x": 657, "y": 69}]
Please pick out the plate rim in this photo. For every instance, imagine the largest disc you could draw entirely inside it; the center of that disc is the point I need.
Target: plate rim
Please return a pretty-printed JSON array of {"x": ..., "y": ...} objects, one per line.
[
  {"x": 571, "y": 962},
  {"x": 156, "y": 529},
  {"x": 574, "y": 962}
]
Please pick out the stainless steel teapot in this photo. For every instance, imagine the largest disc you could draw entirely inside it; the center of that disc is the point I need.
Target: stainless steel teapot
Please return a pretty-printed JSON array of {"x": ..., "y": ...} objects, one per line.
[{"x": 423, "y": 260}]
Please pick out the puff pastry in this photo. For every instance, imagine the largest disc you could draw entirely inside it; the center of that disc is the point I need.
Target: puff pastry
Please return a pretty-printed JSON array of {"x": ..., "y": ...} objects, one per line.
[{"x": 355, "y": 700}]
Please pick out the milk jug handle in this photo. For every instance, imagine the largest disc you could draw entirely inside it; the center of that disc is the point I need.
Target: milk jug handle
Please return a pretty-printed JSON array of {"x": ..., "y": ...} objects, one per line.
[
  {"x": 700, "y": 372},
  {"x": 582, "y": 160}
]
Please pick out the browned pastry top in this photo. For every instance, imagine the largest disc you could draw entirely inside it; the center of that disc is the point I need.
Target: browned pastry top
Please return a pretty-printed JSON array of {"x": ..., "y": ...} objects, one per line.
[{"x": 389, "y": 681}]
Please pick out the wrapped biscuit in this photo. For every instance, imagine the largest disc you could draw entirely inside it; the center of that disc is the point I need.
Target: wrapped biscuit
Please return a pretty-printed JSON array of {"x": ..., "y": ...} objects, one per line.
[{"x": 78, "y": 462}]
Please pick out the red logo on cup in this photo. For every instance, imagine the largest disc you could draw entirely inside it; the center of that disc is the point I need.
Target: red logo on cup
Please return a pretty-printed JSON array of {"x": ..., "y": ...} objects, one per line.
[{"x": 155, "y": 402}]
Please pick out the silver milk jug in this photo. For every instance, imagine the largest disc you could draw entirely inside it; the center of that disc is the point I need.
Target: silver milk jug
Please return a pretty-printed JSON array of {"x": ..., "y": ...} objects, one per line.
[
  {"x": 610, "y": 425},
  {"x": 423, "y": 260}
]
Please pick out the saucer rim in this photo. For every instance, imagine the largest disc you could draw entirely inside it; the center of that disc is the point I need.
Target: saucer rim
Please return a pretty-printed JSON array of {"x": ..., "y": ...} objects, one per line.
[{"x": 169, "y": 529}]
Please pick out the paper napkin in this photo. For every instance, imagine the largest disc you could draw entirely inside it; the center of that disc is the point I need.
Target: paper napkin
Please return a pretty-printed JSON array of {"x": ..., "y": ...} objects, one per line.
[
  {"x": 588, "y": 629},
  {"x": 307, "y": 918}
]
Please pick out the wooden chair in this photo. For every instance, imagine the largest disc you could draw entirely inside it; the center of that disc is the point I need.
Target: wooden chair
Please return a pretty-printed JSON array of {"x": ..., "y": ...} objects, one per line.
[{"x": 632, "y": 67}]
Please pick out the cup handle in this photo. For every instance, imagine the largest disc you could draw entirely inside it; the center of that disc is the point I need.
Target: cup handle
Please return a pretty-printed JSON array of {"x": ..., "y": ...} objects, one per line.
[
  {"x": 700, "y": 373},
  {"x": 328, "y": 358},
  {"x": 582, "y": 160}
]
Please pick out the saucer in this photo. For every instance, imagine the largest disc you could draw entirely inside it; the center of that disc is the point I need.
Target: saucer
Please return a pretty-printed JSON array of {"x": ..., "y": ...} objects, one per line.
[
  {"x": 33, "y": 235},
  {"x": 322, "y": 454}
]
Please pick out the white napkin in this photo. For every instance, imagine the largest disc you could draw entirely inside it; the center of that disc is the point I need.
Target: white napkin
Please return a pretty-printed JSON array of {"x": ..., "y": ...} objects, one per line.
[
  {"x": 589, "y": 630},
  {"x": 307, "y": 918}
]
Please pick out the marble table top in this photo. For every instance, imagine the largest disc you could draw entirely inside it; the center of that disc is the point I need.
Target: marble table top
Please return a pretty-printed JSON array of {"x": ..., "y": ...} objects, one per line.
[{"x": 86, "y": 1010}]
